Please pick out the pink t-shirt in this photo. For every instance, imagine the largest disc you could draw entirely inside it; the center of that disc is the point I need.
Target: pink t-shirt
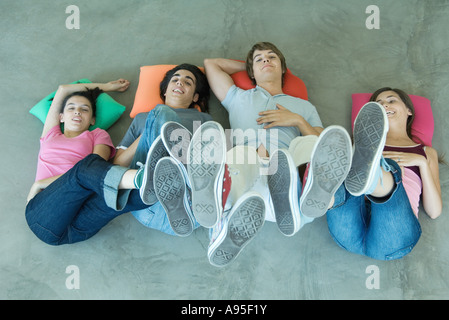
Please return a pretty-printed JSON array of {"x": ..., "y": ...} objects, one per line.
[{"x": 58, "y": 154}]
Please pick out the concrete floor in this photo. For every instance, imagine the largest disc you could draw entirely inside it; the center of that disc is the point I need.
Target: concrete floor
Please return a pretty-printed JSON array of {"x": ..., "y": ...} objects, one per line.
[{"x": 326, "y": 43}]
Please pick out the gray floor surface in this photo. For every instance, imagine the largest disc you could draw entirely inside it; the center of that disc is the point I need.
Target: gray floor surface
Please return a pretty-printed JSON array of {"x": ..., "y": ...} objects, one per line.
[{"x": 326, "y": 43}]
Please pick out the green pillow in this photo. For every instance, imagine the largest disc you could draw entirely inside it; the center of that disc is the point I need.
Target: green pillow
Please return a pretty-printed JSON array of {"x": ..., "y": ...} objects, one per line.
[{"x": 108, "y": 110}]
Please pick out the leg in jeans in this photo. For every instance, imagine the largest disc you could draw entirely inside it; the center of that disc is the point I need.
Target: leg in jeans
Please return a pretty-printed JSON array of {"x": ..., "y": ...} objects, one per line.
[
  {"x": 382, "y": 229},
  {"x": 153, "y": 217},
  {"x": 348, "y": 221},
  {"x": 95, "y": 214},
  {"x": 394, "y": 229},
  {"x": 60, "y": 213},
  {"x": 155, "y": 120}
]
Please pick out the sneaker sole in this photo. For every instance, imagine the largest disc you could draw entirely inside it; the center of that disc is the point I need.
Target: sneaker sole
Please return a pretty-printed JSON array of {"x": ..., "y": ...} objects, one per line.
[
  {"x": 206, "y": 163},
  {"x": 156, "y": 152},
  {"x": 370, "y": 128},
  {"x": 283, "y": 185},
  {"x": 170, "y": 190},
  {"x": 176, "y": 139},
  {"x": 246, "y": 219},
  {"x": 329, "y": 166}
]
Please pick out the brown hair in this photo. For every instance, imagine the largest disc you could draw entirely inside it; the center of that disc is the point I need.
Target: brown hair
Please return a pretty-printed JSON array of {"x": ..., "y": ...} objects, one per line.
[
  {"x": 89, "y": 94},
  {"x": 201, "y": 85},
  {"x": 408, "y": 103},
  {"x": 264, "y": 46}
]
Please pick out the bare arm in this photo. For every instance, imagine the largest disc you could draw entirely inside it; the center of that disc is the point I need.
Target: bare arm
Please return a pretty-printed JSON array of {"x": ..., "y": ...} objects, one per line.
[
  {"x": 218, "y": 72},
  {"x": 40, "y": 185},
  {"x": 429, "y": 170},
  {"x": 67, "y": 89},
  {"x": 123, "y": 157},
  {"x": 103, "y": 151}
]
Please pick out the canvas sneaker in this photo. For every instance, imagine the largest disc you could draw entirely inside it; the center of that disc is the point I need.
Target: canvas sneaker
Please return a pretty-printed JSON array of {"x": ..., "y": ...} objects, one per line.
[
  {"x": 236, "y": 229},
  {"x": 171, "y": 191},
  {"x": 144, "y": 176},
  {"x": 283, "y": 186},
  {"x": 301, "y": 147},
  {"x": 370, "y": 134},
  {"x": 206, "y": 170},
  {"x": 329, "y": 165},
  {"x": 176, "y": 139}
]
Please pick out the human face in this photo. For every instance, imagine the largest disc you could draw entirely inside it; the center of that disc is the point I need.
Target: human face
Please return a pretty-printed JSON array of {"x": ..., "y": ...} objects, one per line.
[
  {"x": 394, "y": 106},
  {"x": 266, "y": 66},
  {"x": 77, "y": 115},
  {"x": 181, "y": 90}
]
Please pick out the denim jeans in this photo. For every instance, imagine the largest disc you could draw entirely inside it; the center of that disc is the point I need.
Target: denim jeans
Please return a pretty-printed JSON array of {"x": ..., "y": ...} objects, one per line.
[
  {"x": 154, "y": 216},
  {"x": 81, "y": 202},
  {"x": 383, "y": 229}
]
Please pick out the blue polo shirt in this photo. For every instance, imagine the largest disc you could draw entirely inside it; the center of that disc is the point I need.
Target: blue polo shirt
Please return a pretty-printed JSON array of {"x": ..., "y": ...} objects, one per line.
[{"x": 244, "y": 106}]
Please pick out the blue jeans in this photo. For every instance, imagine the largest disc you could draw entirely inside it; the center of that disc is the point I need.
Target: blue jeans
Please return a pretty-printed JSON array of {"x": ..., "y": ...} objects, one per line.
[
  {"x": 383, "y": 229},
  {"x": 154, "y": 217},
  {"x": 81, "y": 202}
]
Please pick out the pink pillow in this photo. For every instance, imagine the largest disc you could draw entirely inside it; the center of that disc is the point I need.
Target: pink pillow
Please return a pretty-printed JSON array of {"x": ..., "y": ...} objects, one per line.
[
  {"x": 293, "y": 86},
  {"x": 423, "y": 125}
]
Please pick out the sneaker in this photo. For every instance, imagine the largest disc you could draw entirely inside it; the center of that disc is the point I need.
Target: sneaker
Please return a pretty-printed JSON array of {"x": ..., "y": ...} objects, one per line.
[
  {"x": 370, "y": 134},
  {"x": 176, "y": 139},
  {"x": 301, "y": 149},
  {"x": 329, "y": 166},
  {"x": 171, "y": 191},
  {"x": 236, "y": 229},
  {"x": 144, "y": 177},
  {"x": 283, "y": 186},
  {"x": 206, "y": 167}
]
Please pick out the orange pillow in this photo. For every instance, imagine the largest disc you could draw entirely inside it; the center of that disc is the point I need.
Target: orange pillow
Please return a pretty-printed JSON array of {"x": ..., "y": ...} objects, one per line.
[
  {"x": 293, "y": 86},
  {"x": 147, "y": 94}
]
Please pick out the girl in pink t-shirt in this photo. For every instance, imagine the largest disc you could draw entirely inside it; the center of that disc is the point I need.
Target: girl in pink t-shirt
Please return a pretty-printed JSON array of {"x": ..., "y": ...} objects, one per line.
[
  {"x": 60, "y": 151},
  {"x": 74, "y": 167}
]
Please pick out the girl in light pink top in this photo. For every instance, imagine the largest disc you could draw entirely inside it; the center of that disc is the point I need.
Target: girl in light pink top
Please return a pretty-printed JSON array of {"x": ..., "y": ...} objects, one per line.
[{"x": 381, "y": 221}]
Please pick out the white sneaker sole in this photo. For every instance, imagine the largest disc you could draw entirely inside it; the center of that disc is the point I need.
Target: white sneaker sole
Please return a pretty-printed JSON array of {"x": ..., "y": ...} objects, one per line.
[
  {"x": 206, "y": 162},
  {"x": 283, "y": 186},
  {"x": 156, "y": 152},
  {"x": 176, "y": 139},
  {"x": 245, "y": 220},
  {"x": 170, "y": 189},
  {"x": 370, "y": 134},
  {"x": 330, "y": 163}
]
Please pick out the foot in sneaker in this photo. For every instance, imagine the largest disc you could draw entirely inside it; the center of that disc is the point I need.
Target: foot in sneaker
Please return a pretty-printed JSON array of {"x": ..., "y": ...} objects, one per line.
[
  {"x": 329, "y": 166},
  {"x": 171, "y": 191},
  {"x": 283, "y": 186},
  {"x": 237, "y": 229},
  {"x": 370, "y": 133},
  {"x": 176, "y": 139},
  {"x": 206, "y": 166},
  {"x": 144, "y": 176}
]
